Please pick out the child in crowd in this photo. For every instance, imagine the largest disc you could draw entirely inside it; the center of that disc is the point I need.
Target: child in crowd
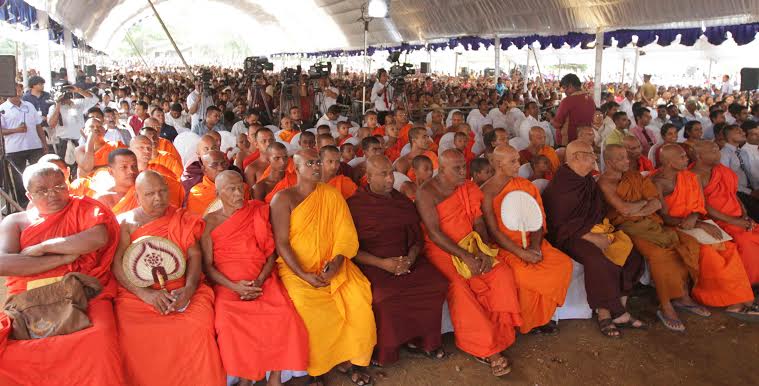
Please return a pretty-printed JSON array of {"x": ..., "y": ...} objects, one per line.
[{"x": 481, "y": 170}]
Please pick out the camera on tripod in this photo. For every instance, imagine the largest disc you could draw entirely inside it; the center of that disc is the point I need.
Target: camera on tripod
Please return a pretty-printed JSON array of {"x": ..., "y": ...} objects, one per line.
[
  {"x": 256, "y": 65},
  {"x": 205, "y": 79},
  {"x": 319, "y": 70},
  {"x": 290, "y": 75},
  {"x": 398, "y": 71}
]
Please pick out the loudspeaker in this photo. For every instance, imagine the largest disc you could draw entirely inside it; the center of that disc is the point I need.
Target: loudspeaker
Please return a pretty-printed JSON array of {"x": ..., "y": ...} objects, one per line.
[
  {"x": 90, "y": 70},
  {"x": 424, "y": 68},
  {"x": 749, "y": 79},
  {"x": 7, "y": 75}
]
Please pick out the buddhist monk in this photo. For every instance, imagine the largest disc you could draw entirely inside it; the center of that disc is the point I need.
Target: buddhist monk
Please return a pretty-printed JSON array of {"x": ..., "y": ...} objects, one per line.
[
  {"x": 166, "y": 159},
  {"x": 633, "y": 203},
  {"x": 287, "y": 131},
  {"x": 420, "y": 144},
  {"x": 720, "y": 186},
  {"x": 249, "y": 153},
  {"x": 239, "y": 258},
  {"x": 538, "y": 147},
  {"x": 722, "y": 280},
  {"x": 166, "y": 334},
  {"x": 638, "y": 161},
  {"x": 142, "y": 147},
  {"x": 482, "y": 296},
  {"x": 393, "y": 144},
  {"x": 78, "y": 187},
  {"x": 370, "y": 146},
  {"x": 160, "y": 144},
  {"x": 121, "y": 197},
  {"x": 277, "y": 176},
  {"x": 407, "y": 291},
  {"x": 93, "y": 154},
  {"x": 575, "y": 215},
  {"x": 204, "y": 193},
  {"x": 330, "y": 157},
  {"x": 61, "y": 234},
  {"x": 193, "y": 172},
  {"x": 254, "y": 170},
  {"x": 542, "y": 272},
  {"x": 316, "y": 240}
]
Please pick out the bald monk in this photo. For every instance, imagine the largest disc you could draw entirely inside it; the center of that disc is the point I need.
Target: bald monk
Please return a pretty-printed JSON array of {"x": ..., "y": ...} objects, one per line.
[
  {"x": 484, "y": 307},
  {"x": 720, "y": 186},
  {"x": 278, "y": 177},
  {"x": 204, "y": 193},
  {"x": 166, "y": 159},
  {"x": 538, "y": 147},
  {"x": 316, "y": 240},
  {"x": 407, "y": 291},
  {"x": 121, "y": 197},
  {"x": 307, "y": 140},
  {"x": 254, "y": 170},
  {"x": 371, "y": 146},
  {"x": 166, "y": 334},
  {"x": 722, "y": 280},
  {"x": 250, "y": 153},
  {"x": 93, "y": 154},
  {"x": 638, "y": 161},
  {"x": 575, "y": 215},
  {"x": 78, "y": 187},
  {"x": 161, "y": 144},
  {"x": 542, "y": 272},
  {"x": 62, "y": 234},
  {"x": 142, "y": 147},
  {"x": 633, "y": 202},
  {"x": 420, "y": 144},
  {"x": 239, "y": 258},
  {"x": 330, "y": 157},
  {"x": 193, "y": 172}
]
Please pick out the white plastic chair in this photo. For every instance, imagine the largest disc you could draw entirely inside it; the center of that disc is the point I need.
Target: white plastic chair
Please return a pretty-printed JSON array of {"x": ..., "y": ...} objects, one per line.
[
  {"x": 541, "y": 184},
  {"x": 525, "y": 171},
  {"x": 519, "y": 143},
  {"x": 576, "y": 302},
  {"x": 406, "y": 149}
]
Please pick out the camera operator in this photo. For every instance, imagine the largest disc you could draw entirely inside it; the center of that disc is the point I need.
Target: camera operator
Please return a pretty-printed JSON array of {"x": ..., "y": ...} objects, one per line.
[
  {"x": 327, "y": 96},
  {"x": 197, "y": 98},
  {"x": 66, "y": 119},
  {"x": 382, "y": 95},
  {"x": 23, "y": 135}
]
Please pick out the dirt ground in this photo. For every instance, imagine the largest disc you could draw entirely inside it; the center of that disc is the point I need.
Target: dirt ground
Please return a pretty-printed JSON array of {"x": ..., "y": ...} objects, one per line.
[{"x": 713, "y": 351}]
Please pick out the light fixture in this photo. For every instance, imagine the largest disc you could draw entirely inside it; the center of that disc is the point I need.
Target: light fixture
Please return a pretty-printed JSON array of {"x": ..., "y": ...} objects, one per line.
[{"x": 377, "y": 8}]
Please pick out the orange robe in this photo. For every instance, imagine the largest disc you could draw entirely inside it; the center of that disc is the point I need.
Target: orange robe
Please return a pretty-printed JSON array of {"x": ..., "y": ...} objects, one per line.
[
  {"x": 403, "y": 132},
  {"x": 279, "y": 341},
  {"x": 87, "y": 357},
  {"x": 394, "y": 152},
  {"x": 81, "y": 187},
  {"x": 340, "y": 142},
  {"x": 178, "y": 348},
  {"x": 289, "y": 170},
  {"x": 166, "y": 146},
  {"x": 526, "y": 155},
  {"x": 289, "y": 180},
  {"x": 286, "y": 135},
  {"x": 127, "y": 203},
  {"x": 344, "y": 185},
  {"x": 543, "y": 286},
  {"x": 721, "y": 194},
  {"x": 722, "y": 280},
  {"x": 379, "y": 130},
  {"x": 485, "y": 308},
  {"x": 429, "y": 154},
  {"x": 170, "y": 162},
  {"x": 101, "y": 155},
  {"x": 203, "y": 194},
  {"x": 250, "y": 159}
]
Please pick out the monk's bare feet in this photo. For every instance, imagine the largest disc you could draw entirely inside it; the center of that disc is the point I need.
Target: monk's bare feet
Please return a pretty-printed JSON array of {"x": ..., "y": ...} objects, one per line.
[
  {"x": 275, "y": 379},
  {"x": 747, "y": 312},
  {"x": 499, "y": 364},
  {"x": 357, "y": 374}
]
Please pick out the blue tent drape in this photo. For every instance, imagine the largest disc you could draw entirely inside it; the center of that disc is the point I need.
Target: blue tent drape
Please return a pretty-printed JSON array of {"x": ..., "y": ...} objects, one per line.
[{"x": 19, "y": 12}]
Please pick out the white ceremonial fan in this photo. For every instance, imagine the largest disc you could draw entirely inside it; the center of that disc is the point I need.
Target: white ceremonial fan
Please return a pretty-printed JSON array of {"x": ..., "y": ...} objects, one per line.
[
  {"x": 520, "y": 212},
  {"x": 153, "y": 260},
  {"x": 186, "y": 144},
  {"x": 213, "y": 206}
]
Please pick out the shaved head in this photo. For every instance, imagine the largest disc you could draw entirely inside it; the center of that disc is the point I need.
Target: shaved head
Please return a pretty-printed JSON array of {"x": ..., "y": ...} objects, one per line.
[
  {"x": 307, "y": 165},
  {"x": 580, "y": 157},
  {"x": 230, "y": 189},
  {"x": 206, "y": 144},
  {"x": 149, "y": 177},
  {"x": 674, "y": 156},
  {"x": 452, "y": 167},
  {"x": 215, "y": 135},
  {"x": 611, "y": 151},
  {"x": 505, "y": 160},
  {"x": 707, "y": 153},
  {"x": 449, "y": 156},
  {"x": 376, "y": 162},
  {"x": 379, "y": 174},
  {"x": 152, "y": 193},
  {"x": 501, "y": 151},
  {"x": 227, "y": 177}
]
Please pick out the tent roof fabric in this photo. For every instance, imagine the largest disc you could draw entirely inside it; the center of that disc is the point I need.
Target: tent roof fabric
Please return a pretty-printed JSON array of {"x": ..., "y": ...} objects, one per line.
[{"x": 102, "y": 23}]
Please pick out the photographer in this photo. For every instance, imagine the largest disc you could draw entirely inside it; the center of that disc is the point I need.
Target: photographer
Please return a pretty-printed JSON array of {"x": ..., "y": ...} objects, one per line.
[
  {"x": 328, "y": 94},
  {"x": 66, "y": 119},
  {"x": 382, "y": 95},
  {"x": 197, "y": 98}
]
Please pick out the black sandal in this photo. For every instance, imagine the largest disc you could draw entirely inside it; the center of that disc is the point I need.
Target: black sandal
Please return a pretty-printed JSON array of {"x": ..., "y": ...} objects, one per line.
[
  {"x": 356, "y": 376},
  {"x": 315, "y": 381},
  {"x": 630, "y": 324},
  {"x": 608, "y": 328},
  {"x": 437, "y": 354}
]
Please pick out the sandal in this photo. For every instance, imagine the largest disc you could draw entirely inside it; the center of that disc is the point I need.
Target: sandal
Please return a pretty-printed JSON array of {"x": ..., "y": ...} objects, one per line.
[
  {"x": 608, "y": 328},
  {"x": 437, "y": 354},
  {"x": 315, "y": 381},
  {"x": 632, "y": 323},
  {"x": 694, "y": 309},
  {"x": 671, "y": 324},
  {"x": 551, "y": 328},
  {"x": 746, "y": 314},
  {"x": 357, "y": 375},
  {"x": 499, "y": 367}
]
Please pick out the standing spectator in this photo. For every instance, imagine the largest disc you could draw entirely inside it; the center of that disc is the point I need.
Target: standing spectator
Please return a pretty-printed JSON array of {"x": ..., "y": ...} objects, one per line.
[
  {"x": 727, "y": 86},
  {"x": 66, "y": 118},
  {"x": 197, "y": 101},
  {"x": 382, "y": 95},
  {"x": 37, "y": 96},
  {"x": 574, "y": 111}
]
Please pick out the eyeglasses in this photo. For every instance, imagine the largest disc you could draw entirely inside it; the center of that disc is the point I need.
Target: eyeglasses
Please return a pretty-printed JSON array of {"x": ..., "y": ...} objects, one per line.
[
  {"x": 54, "y": 190},
  {"x": 310, "y": 163}
]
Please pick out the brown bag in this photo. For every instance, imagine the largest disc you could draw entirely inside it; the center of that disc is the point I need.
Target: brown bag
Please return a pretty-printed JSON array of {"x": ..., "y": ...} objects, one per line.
[{"x": 55, "y": 309}]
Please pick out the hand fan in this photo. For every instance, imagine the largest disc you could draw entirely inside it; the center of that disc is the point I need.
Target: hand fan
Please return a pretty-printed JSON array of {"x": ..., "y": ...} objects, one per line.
[
  {"x": 153, "y": 260},
  {"x": 520, "y": 212}
]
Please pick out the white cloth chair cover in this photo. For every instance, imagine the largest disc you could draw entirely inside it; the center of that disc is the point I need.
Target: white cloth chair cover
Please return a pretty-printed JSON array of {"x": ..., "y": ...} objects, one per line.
[
  {"x": 273, "y": 128},
  {"x": 228, "y": 142},
  {"x": 541, "y": 184},
  {"x": 406, "y": 149},
  {"x": 576, "y": 303},
  {"x": 399, "y": 179},
  {"x": 352, "y": 163},
  {"x": 186, "y": 144},
  {"x": 447, "y": 325},
  {"x": 652, "y": 153},
  {"x": 519, "y": 143},
  {"x": 525, "y": 171},
  {"x": 354, "y": 140},
  {"x": 450, "y": 117},
  {"x": 446, "y": 142}
]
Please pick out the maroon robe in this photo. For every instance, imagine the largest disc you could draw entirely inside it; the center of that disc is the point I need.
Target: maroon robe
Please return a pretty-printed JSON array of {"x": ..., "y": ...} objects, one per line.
[
  {"x": 573, "y": 206},
  {"x": 407, "y": 308}
]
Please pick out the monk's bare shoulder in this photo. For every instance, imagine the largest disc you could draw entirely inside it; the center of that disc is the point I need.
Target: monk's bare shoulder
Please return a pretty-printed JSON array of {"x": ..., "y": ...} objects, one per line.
[
  {"x": 429, "y": 192},
  {"x": 283, "y": 200},
  {"x": 492, "y": 186},
  {"x": 213, "y": 220},
  {"x": 18, "y": 221}
]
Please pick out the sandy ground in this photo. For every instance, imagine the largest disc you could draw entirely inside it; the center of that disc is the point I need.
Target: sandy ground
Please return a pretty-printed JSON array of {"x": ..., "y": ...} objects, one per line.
[{"x": 713, "y": 351}]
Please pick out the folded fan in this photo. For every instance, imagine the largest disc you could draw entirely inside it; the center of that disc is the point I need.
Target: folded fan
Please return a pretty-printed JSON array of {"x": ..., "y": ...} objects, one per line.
[{"x": 520, "y": 212}]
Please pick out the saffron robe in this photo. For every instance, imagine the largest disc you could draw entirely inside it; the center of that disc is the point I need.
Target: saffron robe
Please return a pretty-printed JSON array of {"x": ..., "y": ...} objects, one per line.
[
  {"x": 573, "y": 206},
  {"x": 250, "y": 159},
  {"x": 201, "y": 195},
  {"x": 407, "y": 308},
  {"x": 265, "y": 334},
  {"x": 393, "y": 152},
  {"x": 722, "y": 280},
  {"x": 721, "y": 194},
  {"x": 170, "y": 162},
  {"x": 429, "y": 154},
  {"x": 49, "y": 361},
  {"x": 543, "y": 286},
  {"x": 485, "y": 308},
  {"x": 178, "y": 348},
  {"x": 166, "y": 146},
  {"x": 526, "y": 156},
  {"x": 289, "y": 180},
  {"x": 286, "y": 135},
  {"x": 344, "y": 185},
  {"x": 338, "y": 317}
]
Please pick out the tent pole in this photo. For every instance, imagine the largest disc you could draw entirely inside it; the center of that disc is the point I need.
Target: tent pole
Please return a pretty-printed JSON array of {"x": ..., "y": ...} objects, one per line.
[
  {"x": 497, "y": 49},
  {"x": 599, "y": 60},
  {"x": 366, "y": 68},
  {"x": 537, "y": 64},
  {"x": 635, "y": 70},
  {"x": 171, "y": 39},
  {"x": 709, "y": 73},
  {"x": 622, "y": 80},
  {"x": 136, "y": 51},
  {"x": 526, "y": 74},
  {"x": 68, "y": 60}
]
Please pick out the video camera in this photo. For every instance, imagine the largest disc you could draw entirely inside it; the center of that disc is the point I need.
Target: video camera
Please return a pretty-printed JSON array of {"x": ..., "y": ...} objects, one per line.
[
  {"x": 399, "y": 71},
  {"x": 290, "y": 75},
  {"x": 61, "y": 91},
  {"x": 319, "y": 70},
  {"x": 256, "y": 65},
  {"x": 205, "y": 78}
]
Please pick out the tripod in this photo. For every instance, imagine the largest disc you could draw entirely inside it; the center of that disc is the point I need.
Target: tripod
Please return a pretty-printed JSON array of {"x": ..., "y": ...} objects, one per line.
[
  {"x": 286, "y": 98},
  {"x": 259, "y": 99}
]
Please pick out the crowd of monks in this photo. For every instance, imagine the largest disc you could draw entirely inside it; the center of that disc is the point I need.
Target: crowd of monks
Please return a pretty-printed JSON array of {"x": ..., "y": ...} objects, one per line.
[{"x": 341, "y": 253}]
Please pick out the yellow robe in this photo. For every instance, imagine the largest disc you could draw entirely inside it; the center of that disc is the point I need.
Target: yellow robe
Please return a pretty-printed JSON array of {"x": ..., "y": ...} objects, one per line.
[{"x": 338, "y": 317}]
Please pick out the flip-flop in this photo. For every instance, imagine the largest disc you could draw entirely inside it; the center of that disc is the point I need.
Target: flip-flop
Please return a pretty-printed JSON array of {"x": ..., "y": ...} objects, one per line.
[
  {"x": 667, "y": 321},
  {"x": 746, "y": 314},
  {"x": 504, "y": 371},
  {"x": 693, "y": 309}
]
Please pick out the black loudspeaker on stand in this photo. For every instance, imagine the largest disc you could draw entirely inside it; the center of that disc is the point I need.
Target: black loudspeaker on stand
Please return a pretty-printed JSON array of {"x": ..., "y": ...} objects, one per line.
[{"x": 749, "y": 79}]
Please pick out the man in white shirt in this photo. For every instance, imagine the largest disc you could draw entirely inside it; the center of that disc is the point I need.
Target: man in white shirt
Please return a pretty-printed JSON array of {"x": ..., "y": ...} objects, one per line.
[
  {"x": 751, "y": 129},
  {"x": 478, "y": 117},
  {"x": 107, "y": 102},
  {"x": 178, "y": 118},
  {"x": 241, "y": 126},
  {"x": 659, "y": 121},
  {"x": 727, "y": 86},
  {"x": 382, "y": 95},
  {"x": 114, "y": 131},
  {"x": 330, "y": 119},
  {"x": 327, "y": 96},
  {"x": 66, "y": 118},
  {"x": 197, "y": 103},
  {"x": 500, "y": 117},
  {"x": 691, "y": 111},
  {"x": 627, "y": 105},
  {"x": 24, "y": 137},
  {"x": 737, "y": 159}
]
